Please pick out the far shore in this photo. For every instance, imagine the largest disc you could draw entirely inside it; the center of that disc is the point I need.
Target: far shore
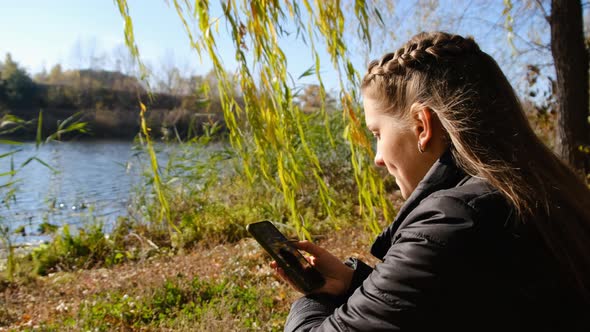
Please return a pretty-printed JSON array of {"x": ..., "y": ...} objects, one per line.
[{"x": 113, "y": 124}]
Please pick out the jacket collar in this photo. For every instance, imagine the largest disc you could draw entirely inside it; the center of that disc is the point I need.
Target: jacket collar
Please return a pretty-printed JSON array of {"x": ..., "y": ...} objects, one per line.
[{"x": 443, "y": 174}]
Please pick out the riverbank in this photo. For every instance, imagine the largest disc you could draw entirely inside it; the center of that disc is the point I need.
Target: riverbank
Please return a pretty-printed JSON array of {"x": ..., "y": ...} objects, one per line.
[{"x": 222, "y": 287}]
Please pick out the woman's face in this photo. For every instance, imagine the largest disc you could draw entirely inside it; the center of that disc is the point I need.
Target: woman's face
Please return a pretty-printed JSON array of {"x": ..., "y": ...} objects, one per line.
[{"x": 397, "y": 147}]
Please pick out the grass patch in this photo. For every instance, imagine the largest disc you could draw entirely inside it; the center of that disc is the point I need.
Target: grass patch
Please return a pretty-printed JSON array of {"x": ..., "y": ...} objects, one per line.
[
  {"x": 85, "y": 248},
  {"x": 241, "y": 295},
  {"x": 69, "y": 252},
  {"x": 183, "y": 303},
  {"x": 224, "y": 287}
]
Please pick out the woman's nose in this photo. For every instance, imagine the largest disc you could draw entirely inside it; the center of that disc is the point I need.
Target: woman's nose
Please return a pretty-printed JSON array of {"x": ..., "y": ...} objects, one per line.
[{"x": 379, "y": 159}]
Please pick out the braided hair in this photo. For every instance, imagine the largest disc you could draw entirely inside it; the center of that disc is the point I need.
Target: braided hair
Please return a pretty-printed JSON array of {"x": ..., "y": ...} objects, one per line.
[
  {"x": 422, "y": 51},
  {"x": 488, "y": 135}
]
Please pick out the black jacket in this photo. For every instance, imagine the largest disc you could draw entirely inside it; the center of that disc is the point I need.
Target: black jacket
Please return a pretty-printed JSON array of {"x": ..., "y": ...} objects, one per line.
[{"x": 454, "y": 259}]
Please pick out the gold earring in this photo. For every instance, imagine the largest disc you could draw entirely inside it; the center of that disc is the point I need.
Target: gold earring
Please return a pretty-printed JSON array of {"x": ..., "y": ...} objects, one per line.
[{"x": 420, "y": 148}]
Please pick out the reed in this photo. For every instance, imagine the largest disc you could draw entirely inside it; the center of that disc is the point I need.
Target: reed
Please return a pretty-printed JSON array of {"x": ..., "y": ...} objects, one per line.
[{"x": 9, "y": 180}]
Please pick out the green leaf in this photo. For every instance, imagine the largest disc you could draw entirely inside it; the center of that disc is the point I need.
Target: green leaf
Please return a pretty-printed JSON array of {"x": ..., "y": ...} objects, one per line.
[
  {"x": 9, "y": 142},
  {"x": 9, "y": 184},
  {"x": 379, "y": 17},
  {"x": 26, "y": 162},
  {"x": 39, "y": 129},
  {"x": 9, "y": 173},
  {"x": 310, "y": 71},
  {"x": 4, "y": 155}
]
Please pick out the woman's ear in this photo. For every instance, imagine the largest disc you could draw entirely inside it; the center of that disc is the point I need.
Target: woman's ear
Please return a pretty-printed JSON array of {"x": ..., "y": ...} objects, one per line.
[{"x": 423, "y": 127}]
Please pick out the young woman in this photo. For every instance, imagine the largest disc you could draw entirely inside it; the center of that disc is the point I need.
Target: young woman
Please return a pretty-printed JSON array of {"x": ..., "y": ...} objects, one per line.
[{"x": 495, "y": 231}]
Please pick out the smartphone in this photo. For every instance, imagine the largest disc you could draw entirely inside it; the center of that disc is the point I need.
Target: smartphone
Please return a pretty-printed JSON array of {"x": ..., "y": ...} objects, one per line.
[{"x": 296, "y": 267}]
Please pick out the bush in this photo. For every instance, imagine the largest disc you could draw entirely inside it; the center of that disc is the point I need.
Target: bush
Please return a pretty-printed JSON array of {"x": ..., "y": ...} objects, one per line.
[{"x": 86, "y": 249}]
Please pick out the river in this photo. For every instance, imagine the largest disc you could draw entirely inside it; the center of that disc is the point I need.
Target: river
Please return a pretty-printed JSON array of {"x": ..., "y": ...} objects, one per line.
[{"x": 91, "y": 181}]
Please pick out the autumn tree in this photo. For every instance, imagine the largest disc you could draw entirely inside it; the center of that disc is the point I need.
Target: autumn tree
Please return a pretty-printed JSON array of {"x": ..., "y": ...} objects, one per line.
[
  {"x": 18, "y": 88},
  {"x": 55, "y": 75},
  {"x": 311, "y": 99}
]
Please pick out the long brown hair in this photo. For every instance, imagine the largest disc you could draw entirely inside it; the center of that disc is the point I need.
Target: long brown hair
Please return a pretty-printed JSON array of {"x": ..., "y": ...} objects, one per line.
[{"x": 490, "y": 137}]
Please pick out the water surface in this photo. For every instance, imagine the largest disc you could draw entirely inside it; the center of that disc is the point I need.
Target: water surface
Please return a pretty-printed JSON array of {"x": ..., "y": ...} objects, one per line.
[{"x": 93, "y": 180}]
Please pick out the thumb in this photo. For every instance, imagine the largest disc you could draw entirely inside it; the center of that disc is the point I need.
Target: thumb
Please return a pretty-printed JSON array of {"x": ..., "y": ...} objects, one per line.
[{"x": 309, "y": 248}]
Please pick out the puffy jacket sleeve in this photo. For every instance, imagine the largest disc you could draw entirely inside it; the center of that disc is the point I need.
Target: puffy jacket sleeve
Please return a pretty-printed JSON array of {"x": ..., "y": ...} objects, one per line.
[{"x": 428, "y": 243}]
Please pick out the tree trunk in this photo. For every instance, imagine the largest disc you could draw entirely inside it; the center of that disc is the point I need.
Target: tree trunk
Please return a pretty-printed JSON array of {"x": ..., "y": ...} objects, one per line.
[{"x": 571, "y": 66}]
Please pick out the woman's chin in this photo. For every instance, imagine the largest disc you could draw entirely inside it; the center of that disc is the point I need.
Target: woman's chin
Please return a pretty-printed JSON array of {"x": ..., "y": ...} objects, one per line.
[
  {"x": 405, "y": 190},
  {"x": 404, "y": 196}
]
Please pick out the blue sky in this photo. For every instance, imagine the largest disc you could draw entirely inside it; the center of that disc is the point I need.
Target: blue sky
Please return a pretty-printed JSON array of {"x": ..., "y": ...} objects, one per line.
[{"x": 40, "y": 33}]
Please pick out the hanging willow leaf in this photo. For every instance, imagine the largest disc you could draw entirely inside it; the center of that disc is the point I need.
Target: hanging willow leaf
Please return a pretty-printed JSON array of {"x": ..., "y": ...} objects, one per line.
[{"x": 267, "y": 129}]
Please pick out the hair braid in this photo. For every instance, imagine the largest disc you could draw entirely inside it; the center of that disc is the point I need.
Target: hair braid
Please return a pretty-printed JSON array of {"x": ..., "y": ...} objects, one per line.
[{"x": 421, "y": 52}]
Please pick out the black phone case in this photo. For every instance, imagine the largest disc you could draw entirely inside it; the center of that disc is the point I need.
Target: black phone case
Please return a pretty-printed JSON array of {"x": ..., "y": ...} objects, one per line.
[{"x": 295, "y": 266}]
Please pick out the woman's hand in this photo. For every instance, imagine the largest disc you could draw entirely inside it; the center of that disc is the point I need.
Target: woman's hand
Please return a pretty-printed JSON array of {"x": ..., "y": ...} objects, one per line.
[{"x": 338, "y": 276}]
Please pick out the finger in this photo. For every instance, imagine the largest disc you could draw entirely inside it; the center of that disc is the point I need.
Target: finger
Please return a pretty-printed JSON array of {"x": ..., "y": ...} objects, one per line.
[
  {"x": 283, "y": 276},
  {"x": 311, "y": 260},
  {"x": 309, "y": 247},
  {"x": 279, "y": 271}
]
